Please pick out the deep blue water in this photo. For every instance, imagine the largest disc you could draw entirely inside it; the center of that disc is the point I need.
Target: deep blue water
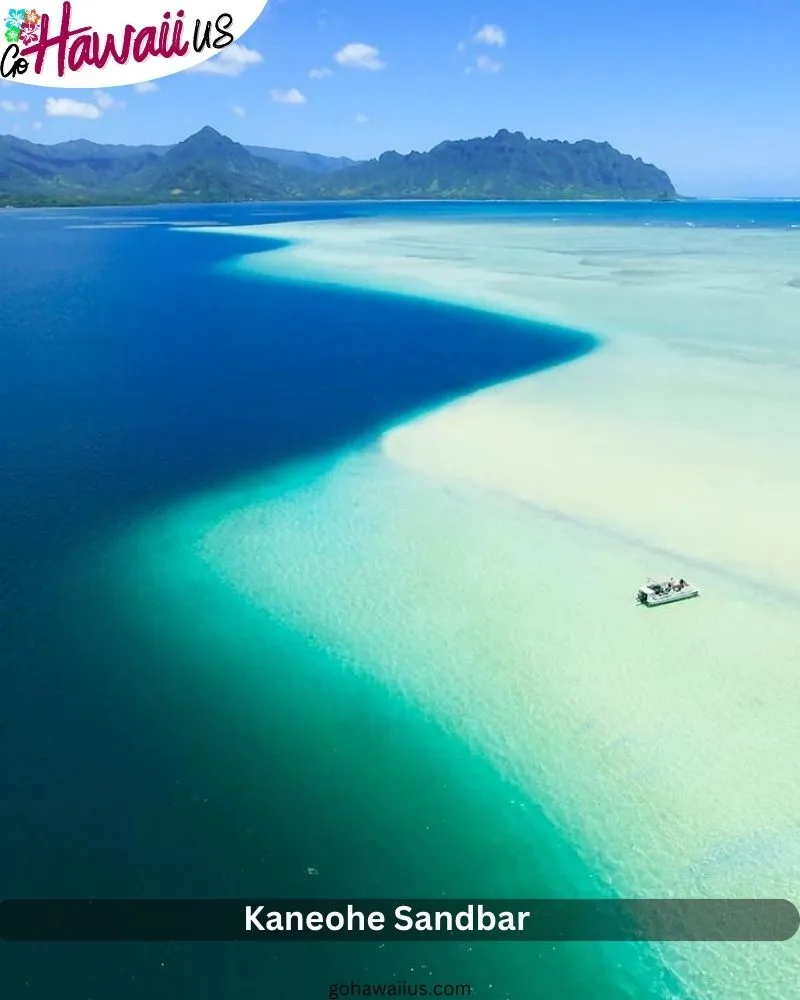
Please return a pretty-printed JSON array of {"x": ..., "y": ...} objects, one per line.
[{"x": 134, "y": 373}]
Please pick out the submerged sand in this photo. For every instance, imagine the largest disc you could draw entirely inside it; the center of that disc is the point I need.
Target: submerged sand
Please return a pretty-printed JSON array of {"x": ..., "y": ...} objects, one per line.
[
  {"x": 483, "y": 559},
  {"x": 681, "y": 432}
]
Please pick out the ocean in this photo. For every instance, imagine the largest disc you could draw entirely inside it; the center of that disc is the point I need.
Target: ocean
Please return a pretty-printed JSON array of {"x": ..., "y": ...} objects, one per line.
[{"x": 166, "y": 731}]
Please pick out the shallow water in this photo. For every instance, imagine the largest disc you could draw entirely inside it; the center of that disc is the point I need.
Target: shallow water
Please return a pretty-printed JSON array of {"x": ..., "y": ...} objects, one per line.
[
  {"x": 162, "y": 735},
  {"x": 221, "y": 667},
  {"x": 661, "y": 747}
]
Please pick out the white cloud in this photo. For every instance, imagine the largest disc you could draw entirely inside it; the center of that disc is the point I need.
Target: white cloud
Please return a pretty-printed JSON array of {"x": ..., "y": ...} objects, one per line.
[
  {"x": 360, "y": 56},
  {"x": 362, "y": 119},
  {"x": 483, "y": 64},
  {"x": 490, "y": 34},
  {"x": 105, "y": 101},
  {"x": 65, "y": 107},
  {"x": 148, "y": 87},
  {"x": 36, "y": 126},
  {"x": 238, "y": 111},
  {"x": 233, "y": 60},
  {"x": 321, "y": 73},
  {"x": 14, "y": 107},
  {"x": 292, "y": 96}
]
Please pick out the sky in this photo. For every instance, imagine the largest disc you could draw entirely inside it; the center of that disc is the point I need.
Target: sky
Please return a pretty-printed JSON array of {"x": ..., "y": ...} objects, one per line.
[{"x": 708, "y": 91}]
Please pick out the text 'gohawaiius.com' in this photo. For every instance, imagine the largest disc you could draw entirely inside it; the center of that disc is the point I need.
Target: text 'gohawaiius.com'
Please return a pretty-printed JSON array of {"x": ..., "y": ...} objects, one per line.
[{"x": 338, "y": 991}]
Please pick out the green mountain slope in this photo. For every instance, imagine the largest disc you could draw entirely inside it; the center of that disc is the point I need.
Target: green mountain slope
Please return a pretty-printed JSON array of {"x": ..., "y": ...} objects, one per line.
[
  {"x": 314, "y": 163},
  {"x": 205, "y": 167},
  {"x": 211, "y": 167},
  {"x": 208, "y": 167},
  {"x": 32, "y": 173},
  {"x": 505, "y": 166}
]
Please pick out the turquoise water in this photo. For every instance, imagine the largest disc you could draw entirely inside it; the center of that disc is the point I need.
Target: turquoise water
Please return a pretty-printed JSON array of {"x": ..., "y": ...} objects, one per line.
[{"x": 166, "y": 736}]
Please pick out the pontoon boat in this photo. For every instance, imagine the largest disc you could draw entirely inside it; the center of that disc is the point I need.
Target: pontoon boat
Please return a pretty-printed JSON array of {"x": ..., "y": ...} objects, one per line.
[{"x": 665, "y": 592}]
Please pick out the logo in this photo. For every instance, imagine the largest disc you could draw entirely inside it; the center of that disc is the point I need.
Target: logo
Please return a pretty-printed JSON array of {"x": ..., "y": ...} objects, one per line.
[{"x": 87, "y": 44}]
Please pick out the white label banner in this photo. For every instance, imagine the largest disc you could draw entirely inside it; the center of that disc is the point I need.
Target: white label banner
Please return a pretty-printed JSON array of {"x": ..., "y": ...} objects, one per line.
[{"x": 88, "y": 44}]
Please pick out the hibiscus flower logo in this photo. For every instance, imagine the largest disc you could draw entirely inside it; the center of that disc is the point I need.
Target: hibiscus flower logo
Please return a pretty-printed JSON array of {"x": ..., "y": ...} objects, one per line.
[
  {"x": 22, "y": 26},
  {"x": 15, "y": 19},
  {"x": 28, "y": 34}
]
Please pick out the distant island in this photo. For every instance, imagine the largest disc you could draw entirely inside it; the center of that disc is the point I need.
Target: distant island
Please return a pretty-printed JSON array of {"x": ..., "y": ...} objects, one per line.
[{"x": 210, "y": 167}]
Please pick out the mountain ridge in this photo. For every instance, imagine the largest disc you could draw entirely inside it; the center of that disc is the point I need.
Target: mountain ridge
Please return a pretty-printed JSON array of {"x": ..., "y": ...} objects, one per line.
[
  {"x": 208, "y": 166},
  {"x": 506, "y": 166}
]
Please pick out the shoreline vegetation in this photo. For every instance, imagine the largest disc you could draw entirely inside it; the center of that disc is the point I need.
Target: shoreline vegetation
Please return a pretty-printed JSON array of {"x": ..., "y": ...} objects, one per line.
[{"x": 210, "y": 167}]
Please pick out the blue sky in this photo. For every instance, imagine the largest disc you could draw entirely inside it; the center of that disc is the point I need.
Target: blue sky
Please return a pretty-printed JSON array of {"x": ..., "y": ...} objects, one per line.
[{"x": 707, "y": 90}]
